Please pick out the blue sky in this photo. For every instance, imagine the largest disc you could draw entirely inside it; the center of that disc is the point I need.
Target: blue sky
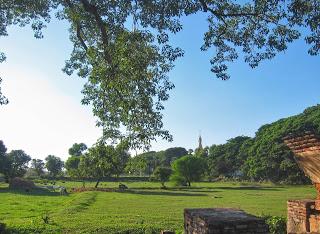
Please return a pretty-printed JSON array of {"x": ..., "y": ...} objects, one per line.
[{"x": 45, "y": 115}]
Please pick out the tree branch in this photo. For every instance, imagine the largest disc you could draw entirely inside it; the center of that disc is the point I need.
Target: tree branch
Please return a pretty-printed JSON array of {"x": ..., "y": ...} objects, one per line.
[
  {"x": 80, "y": 37},
  {"x": 92, "y": 9},
  {"x": 248, "y": 15},
  {"x": 219, "y": 15},
  {"x": 78, "y": 26}
]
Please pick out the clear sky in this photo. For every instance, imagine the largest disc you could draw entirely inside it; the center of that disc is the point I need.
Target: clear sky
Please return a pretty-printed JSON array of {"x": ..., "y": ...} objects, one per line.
[{"x": 45, "y": 116}]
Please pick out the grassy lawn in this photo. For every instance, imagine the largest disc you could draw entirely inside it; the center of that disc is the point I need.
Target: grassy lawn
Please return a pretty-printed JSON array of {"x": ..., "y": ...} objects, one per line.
[{"x": 142, "y": 209}]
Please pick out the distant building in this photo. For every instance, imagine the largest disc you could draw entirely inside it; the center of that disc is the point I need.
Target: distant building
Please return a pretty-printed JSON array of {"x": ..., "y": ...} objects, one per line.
[{"x": 200, "y": 143}]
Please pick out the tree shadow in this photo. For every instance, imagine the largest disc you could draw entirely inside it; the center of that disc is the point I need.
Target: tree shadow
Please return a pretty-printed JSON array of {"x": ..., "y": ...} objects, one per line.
[
  {"x": 162, "y": 192},
  {"x": 266, "y": 188},
  {"x": 31, "y": 192},
  {"x": 204, "y": 189},
  {"x": 197, "y": 190}
]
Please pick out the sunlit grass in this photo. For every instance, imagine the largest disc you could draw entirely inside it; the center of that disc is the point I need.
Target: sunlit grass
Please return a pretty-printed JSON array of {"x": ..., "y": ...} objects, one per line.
[{"x": 142, "y": 209}]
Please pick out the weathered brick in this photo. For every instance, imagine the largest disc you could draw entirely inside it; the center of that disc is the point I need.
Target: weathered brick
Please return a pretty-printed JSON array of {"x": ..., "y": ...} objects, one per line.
[
  {"x": 299, "y": 212},
  {"x": 222, "y": 221}
]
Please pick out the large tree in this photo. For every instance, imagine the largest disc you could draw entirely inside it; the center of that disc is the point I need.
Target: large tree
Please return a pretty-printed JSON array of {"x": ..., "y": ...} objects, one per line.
[
  {"x": 143, "y": 164},
  {"x": 38, "y": 166},
  {"x": 269, "y": 158},
  {"x": 188, "y": 169},
  {"x": 171, "y": 154},
  {"x": 17, "y": 164},
  {"x": 72, "y": 166},
  {"x": 3, "y": 158},
  {"x": 120, "y": 159},
  {"x": 103, "y": 161},
  {"x": 227, "y": 159},
  {"x": 77, "y": 149},
  {"x": 147, "y": 162},
  {"x": 126, "y": 67},
  {"x": 54, "y": 165},
  {"x": 3, "y": 148},
  {"x": 162, "y": 174}
]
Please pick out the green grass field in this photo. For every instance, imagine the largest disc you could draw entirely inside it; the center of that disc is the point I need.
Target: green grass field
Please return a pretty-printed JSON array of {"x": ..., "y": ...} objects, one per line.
[{"x": 144, "y": 208}]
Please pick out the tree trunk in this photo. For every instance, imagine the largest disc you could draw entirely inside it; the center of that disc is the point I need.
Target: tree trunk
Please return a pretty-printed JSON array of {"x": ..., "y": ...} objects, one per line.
[
  {"x": 189, "y": 184},
  {"x": 98, "y": 181}
]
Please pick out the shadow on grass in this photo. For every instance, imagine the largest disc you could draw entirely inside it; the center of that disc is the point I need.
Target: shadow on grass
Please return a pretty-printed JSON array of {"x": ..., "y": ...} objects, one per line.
[
  {"x": 216, "y": 189},
  {"x": 32, "y": 192},
  {"x": 163, "y": 192},
  {"x": 266, "y": 188},
  {"x": 196, "y": 190}
]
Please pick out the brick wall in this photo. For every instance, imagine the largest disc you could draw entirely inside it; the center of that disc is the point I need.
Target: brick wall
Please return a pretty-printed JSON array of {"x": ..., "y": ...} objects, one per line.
[
  {"x": 304, "y": 215},
  {"x": 301, "y": 216},
  {"x": 306, "y": 148}
]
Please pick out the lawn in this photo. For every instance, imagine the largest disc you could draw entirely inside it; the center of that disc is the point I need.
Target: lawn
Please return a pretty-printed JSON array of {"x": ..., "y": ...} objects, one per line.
[{"x": 144, "y": 208}]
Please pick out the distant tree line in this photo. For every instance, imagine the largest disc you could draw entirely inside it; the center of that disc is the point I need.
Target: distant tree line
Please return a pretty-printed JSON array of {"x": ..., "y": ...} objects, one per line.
[
  {"x": 146, "y": 163},
  {"x": 261, "y": 158},
  {"x": 264, "y": 157},
  {"x": 16, "y": 164}
]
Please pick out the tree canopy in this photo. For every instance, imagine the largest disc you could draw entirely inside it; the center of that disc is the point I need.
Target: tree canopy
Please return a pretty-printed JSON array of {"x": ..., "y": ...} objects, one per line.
[
  {"x": 147, "y": 162},
  {"x": 188, "y": 169},
  {"x": 171, "y": 154},
  {"x": 54, "y": 165},
  {"x": 3, "y": 158},
  {"x": 72, "y": 166},
  {"x": 16, "y": 163},
  {"x": 102, "y": 161},
  {"x": 269, "y": 158},
  {"x": 126, "y": 68},
  {"x": 227, "y": 159},
  {"x": 77, "y": 149},
  {"x": 264, "y": 157},
  {"x": 38, "y": 166},
  {"x": 162, "y": 174}
]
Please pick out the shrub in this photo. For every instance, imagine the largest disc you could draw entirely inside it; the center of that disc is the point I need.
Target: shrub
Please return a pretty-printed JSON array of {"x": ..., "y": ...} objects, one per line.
[{"x": 277, "y": 224}]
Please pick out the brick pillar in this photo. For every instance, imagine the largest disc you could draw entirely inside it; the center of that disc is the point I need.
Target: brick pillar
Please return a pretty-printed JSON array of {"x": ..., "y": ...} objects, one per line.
[
  {"x": 304, "y": 215},
  {"x": 314, "y": 221},
  {"x": 299, "y": 212},
  {"x": 222, "y": 221},
  {"x": 317, "y": 186}
]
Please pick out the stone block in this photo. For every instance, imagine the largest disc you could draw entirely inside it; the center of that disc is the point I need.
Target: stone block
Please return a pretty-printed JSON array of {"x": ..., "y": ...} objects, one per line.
[{"x": 222, "y": 221}]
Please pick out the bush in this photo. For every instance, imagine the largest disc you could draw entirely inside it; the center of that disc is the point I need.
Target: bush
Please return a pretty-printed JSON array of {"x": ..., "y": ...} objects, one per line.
[{"x": 277, "y": 224}]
